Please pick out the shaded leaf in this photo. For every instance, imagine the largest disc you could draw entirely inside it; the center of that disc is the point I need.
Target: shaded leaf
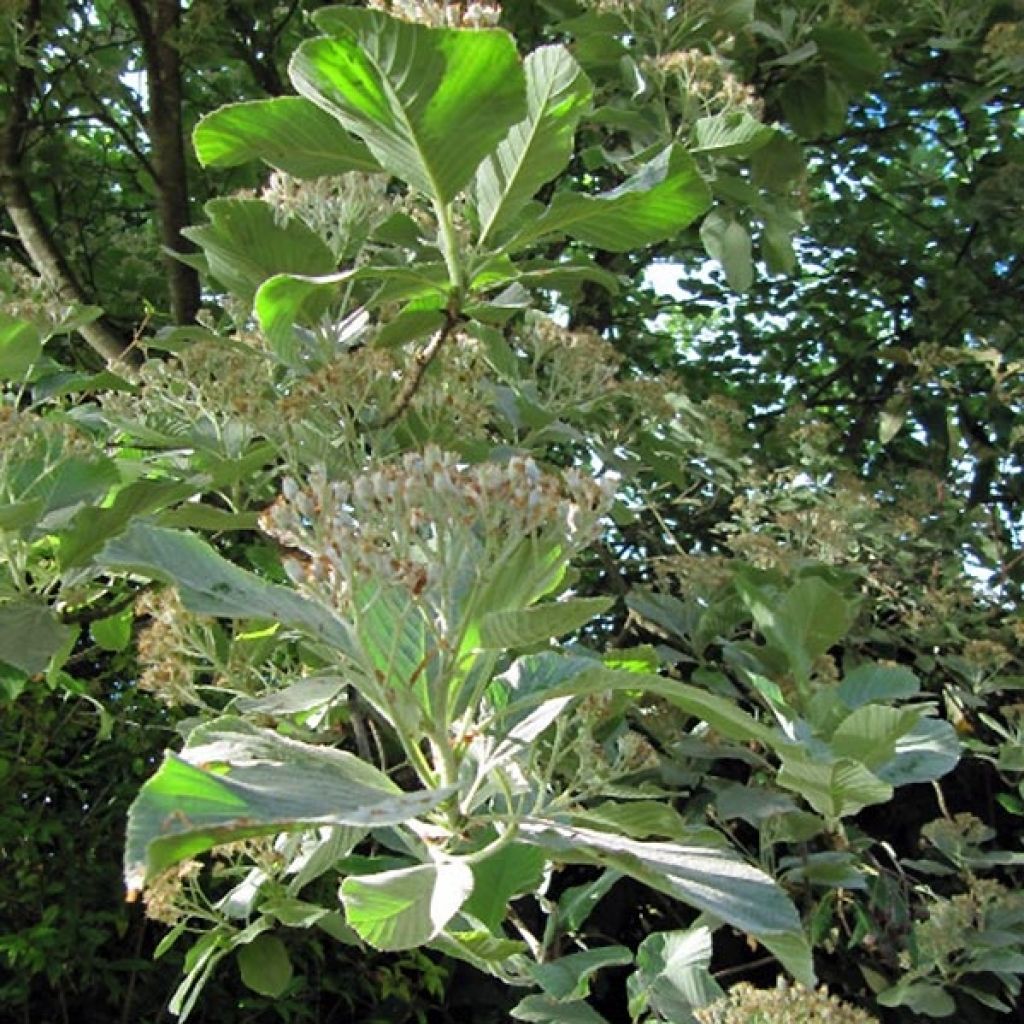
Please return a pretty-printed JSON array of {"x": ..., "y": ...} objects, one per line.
[
  {"x": 930, "y": 750},
  {"x": 211, "y": 585},
  {"x": 265, "y": 966},
  {"x": 672, "y": 975},
  {"x": 728, "y": 242},
  {"x": 873, "y": 683},
  {"x": 244, "y": 245},
  {"x": 546, "y": 1010},
  {"x": 30, "y": 635},
  {"x": 567, "y": 979}
]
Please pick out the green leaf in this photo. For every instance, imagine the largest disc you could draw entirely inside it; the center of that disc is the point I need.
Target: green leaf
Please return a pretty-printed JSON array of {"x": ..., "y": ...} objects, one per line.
[
  {"x": 403, "y": 909},
  {"x": 307, "y": 694},
  {"x": 814, "y": 104},
  {"x": 409, "y": 325},
  {"x": 930, "y": 750},
  {"x": 639, "y": 819},
  {"x": 113, "y": 633},
  {"x": 545, "y": 1010},
  {"x": 30, "y": 635},
  {"x": 197, "y": 515},
  {"x": 536, "y": 149},
  {"x": 244, "y": 245},
  {"x": 672, "y": 975},
  {"x": 514, "y": 870},
  {"x": 721, "y": 714},
  {"x": 713, "y": 880},
  {"x": 732, "y": 134},
  {"x": 283, "y": 300},
  {"x": 67, "y": 486},
  {"x": 211, "y": 585},
  {"x": 523, "y": 627},
  {"x": 875, "y": 683},
  {"x": 837, "y": 789},
  {"x": 849, "y": 54},
  {"x": 429, "y": 103},
  {"x": 19, "y": 514},
  {"x": 921, "y": 997},
  {"x": 804, "y": 622},
  {"x": 870, "y": 733},
  {"x": 657, "y": 203},
  {"x": 264, "y": 965},
  {"x": 92, "y": 527},
  {"x": 778, "y": 163},
  {"x": 567, "y": 979},
  {"x": 288, "y": 132},
  {"x": 21, "y": 345},
  {"x": 234, "y": 781},
  {"x": 728, "y": 242}
]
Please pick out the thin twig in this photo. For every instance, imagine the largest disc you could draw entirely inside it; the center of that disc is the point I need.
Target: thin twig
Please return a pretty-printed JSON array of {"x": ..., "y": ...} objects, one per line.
[{"x": 420, "y": 363}]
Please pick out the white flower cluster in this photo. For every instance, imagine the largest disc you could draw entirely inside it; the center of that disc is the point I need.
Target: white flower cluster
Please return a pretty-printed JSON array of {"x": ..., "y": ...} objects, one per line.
[
  {"x": 342, "y": 210},
  {"x": 409, "y": 522},
  {"x": 442, "y": 15}
]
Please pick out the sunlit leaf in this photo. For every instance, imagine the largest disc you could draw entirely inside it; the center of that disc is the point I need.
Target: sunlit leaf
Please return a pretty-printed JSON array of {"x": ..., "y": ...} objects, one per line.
[
  {"x": 402, "y": 909},
  {"x": 429, "y": 103},
  {"x": 522, "y": 627},
  {"x": 657, "y": 203},
  {"x": 837, "y": 789},
  {"x": 21, "y": 345},
  {"x": 558, "y": 93},
  {"x": 713, "y": 880},
  {"x": 234, "y": 781}
]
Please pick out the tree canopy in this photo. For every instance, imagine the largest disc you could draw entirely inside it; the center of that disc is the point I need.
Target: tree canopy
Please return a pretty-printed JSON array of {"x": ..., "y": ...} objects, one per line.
[{"x": 519, "y": 507}]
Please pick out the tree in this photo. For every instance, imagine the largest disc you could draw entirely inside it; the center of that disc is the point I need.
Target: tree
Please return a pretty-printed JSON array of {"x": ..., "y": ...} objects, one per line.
[{"x": 433, "y": 422}]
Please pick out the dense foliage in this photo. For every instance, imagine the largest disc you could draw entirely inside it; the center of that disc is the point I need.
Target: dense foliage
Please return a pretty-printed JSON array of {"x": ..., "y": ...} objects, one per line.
[{"x": 557, "y": 503}]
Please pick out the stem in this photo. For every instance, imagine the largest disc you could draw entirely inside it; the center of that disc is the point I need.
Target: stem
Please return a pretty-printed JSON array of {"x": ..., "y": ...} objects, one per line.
[
  {"x": 421, "y": 361},
  {"x": 450, "y": 248},
  {"x": 504, "y": 838}
]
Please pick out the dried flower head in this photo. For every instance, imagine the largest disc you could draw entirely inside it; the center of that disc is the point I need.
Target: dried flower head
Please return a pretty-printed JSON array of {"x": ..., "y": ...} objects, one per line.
[
  {"x": 699, "y": 84},
  {"x": 441, "y": 15},
  {"x": 417, "y": 520},
  {"x": 784, "y": 1004},
  {"x": 343, "y": 210},
  {"x": 168, "y": 897},
  {"x": 163, "y": 649}
]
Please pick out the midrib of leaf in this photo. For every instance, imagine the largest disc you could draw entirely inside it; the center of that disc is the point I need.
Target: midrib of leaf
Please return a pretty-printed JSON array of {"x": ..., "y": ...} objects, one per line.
[
  {"x": 520, "y": 164},
  {"x": 398, "y": 107}
]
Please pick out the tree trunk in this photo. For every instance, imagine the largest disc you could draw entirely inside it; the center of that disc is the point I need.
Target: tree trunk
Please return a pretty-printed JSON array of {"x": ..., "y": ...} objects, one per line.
[{"x": 158, "y": 22}]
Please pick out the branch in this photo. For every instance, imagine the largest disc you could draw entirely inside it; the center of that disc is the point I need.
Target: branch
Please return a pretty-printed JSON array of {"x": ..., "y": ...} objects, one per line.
[
  {"x": 263, "y": 69},
  {"x": 33, "y": 234},
  {"x": 420, "y": 363}
]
